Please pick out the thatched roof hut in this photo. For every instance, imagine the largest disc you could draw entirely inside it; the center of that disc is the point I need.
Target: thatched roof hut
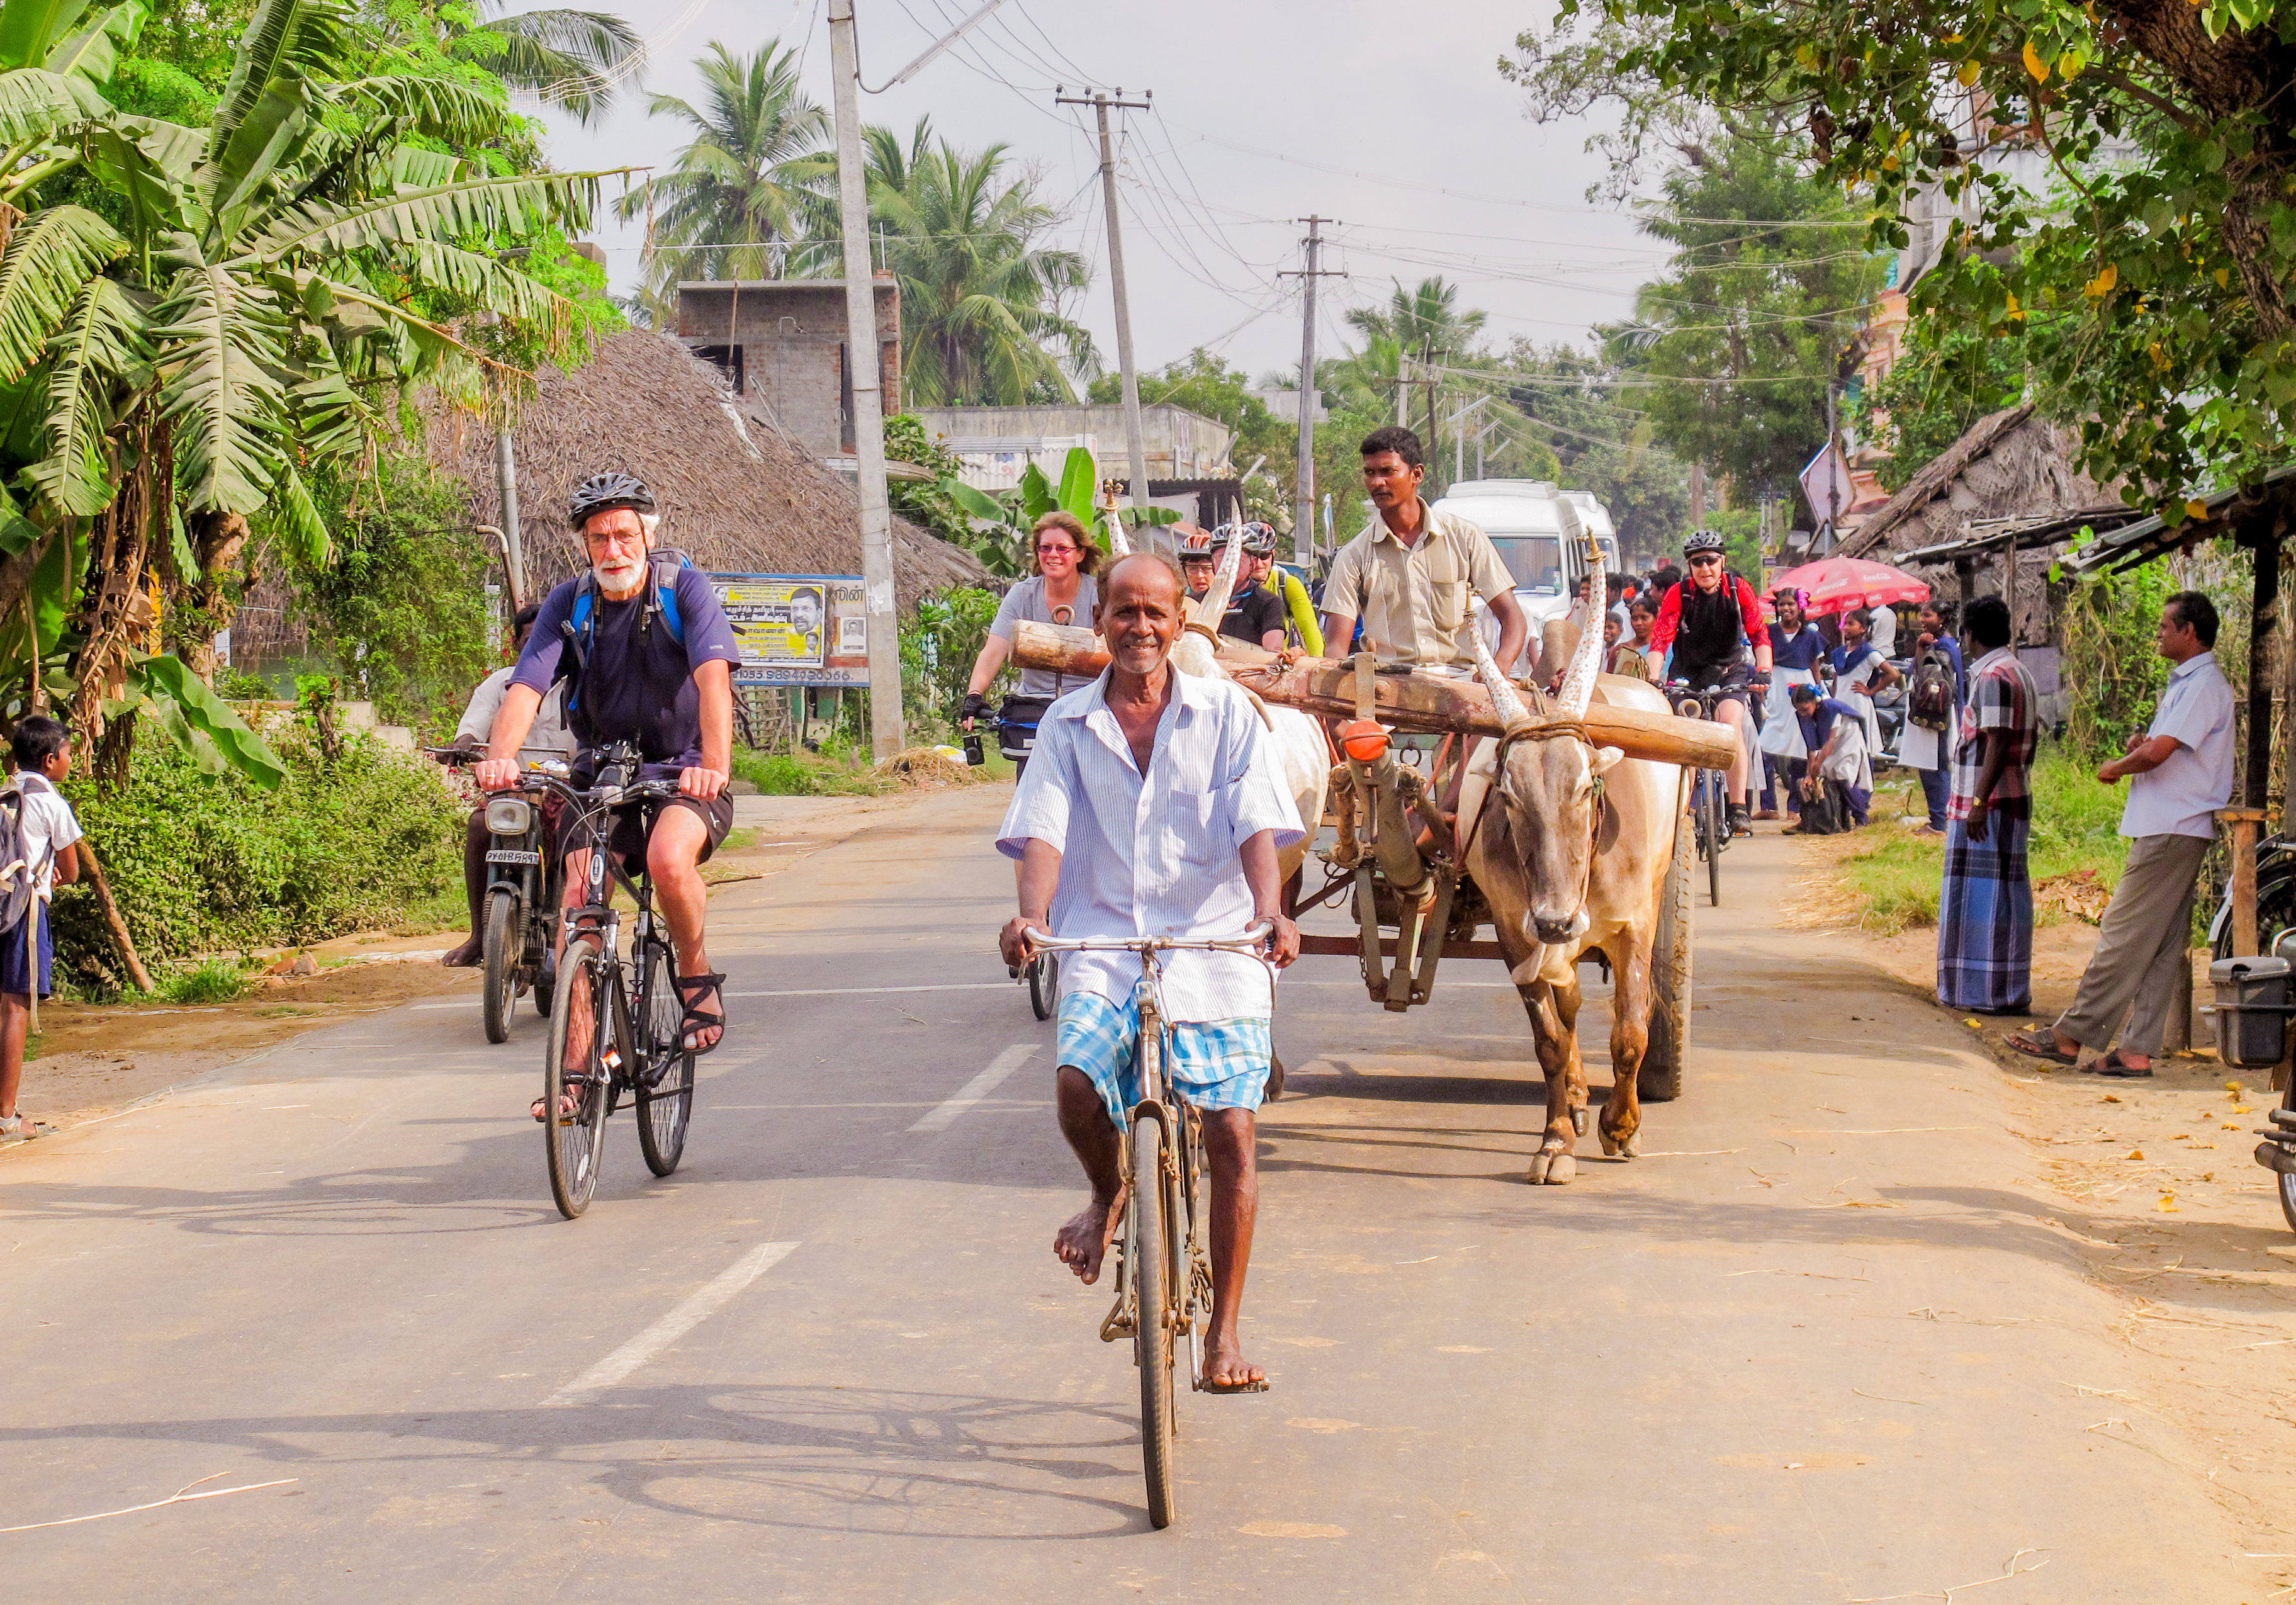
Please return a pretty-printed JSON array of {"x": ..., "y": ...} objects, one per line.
[
  {"x": 737, "y": 495},
  {"x": 2010, "y": 465}
]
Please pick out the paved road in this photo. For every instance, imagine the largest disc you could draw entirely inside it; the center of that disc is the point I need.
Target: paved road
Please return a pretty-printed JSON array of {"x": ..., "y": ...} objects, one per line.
[{"x": 1801, "y": 1353}]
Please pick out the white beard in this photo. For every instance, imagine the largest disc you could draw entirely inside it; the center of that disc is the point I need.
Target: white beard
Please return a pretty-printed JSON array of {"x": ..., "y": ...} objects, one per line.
[{"x": 621, "y": 576}]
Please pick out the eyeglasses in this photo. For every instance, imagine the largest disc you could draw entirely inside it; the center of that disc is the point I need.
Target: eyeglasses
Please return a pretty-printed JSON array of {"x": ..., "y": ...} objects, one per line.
[
  {"x": 1706, "y": 559},
  {"x": 614, "y": 537},
  {"x": 1056, "y": 551}
]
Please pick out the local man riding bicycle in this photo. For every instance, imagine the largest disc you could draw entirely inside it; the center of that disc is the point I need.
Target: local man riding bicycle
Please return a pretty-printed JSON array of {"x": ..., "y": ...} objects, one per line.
[
  {"x": 647, "y": 657},
  {"x": 1711, "y": 619},
  {"x": 1151, "y": 808}
]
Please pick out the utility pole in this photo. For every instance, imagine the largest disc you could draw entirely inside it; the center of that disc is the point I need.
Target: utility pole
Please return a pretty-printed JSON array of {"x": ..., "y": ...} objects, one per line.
[
  {"x": 1101, "y": 105},
  {"x": 863, "y": 363},
  {"x": 1303, "y": 497},
  {"x": 513, "y": 542}
]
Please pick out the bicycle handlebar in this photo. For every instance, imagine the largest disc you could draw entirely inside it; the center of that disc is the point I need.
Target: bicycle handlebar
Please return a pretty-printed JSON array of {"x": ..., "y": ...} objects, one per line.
[{"x": 1253, "y": 935}]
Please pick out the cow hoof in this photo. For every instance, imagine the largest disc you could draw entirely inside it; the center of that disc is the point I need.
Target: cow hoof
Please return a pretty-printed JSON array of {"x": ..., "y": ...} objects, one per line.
[
  {"x": 1579, "y": 1119},
  {"x": 1632, "y": 1147},
  {"x": 1562, "y": 1167}
]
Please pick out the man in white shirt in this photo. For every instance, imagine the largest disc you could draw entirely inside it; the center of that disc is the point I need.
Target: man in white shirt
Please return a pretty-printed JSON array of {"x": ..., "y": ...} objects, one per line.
[
  {"x": 2180, "y": 772},
  {"x": 1151, "y": 808},
  {"x": 546, "y": 738}
]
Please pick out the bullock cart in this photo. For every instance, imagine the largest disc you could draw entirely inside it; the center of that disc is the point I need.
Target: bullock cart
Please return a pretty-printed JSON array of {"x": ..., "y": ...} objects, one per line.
[{"x": 1569, "y": 849}]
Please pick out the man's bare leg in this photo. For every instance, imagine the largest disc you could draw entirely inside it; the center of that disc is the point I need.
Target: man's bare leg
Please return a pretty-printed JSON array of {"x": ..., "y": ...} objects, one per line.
[
  {"x": 673, "y": 855},
  {"x": 476, "y": 841},
  {"x": 1232, "y": 1152},
  {"x": 1082, "y": 1244}
]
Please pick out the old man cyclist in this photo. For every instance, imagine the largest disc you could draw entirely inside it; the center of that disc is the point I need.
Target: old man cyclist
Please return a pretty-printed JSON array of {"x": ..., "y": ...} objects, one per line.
[
  {"x": 647, "y": 656},
  {"x": 1151, "y": 808}
]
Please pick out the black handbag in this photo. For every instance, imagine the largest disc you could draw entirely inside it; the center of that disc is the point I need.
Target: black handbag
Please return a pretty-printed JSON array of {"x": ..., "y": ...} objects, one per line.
[{"x": 1016, "y": 723}]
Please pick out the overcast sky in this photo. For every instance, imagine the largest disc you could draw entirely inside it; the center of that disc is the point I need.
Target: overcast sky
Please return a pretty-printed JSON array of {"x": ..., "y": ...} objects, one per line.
[{"x": 1392, "y": 119}]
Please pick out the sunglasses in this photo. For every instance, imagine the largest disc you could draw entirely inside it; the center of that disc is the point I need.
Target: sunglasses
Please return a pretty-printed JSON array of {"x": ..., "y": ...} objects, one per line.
[
  {"x": 1706, "y": 560},
  {"x": 1058, "y": 551}
]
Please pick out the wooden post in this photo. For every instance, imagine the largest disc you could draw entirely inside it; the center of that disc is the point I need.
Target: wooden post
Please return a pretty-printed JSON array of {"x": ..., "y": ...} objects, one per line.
[
  {"x": 1964, "y": 573},
  {"x": 2243, "y": 822},
  {"x": 2178, "y": 1037},
  {"x": 2263, "y": 636}
]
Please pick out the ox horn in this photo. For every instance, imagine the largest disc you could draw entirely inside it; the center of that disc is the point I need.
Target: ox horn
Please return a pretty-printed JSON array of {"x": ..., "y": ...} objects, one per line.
[
  {"x": 1213, "y": 608},
  {"x": 1578, "y": 684},
  {"x": 1504, "y": 701},
  {"x": 1119, "y": 545}
]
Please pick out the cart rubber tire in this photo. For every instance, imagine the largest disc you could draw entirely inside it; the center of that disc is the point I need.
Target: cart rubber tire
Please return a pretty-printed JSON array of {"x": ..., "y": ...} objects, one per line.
[
  {"x": 2285, "y": 1184},
  {"x": 1660, "y": 1079},
  {"x": 1151, "y": 1269},
  {"x": 503, "y": 939}
]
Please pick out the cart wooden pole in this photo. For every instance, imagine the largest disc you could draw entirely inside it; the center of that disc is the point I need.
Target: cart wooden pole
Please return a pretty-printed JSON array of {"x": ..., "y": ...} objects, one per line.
[{"x": 1325, "y": 687}]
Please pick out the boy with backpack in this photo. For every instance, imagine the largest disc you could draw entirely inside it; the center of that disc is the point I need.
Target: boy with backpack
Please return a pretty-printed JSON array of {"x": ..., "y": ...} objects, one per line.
[
  {"x": 1933, "y": 706},
  {"x": 37, "y": 833}
]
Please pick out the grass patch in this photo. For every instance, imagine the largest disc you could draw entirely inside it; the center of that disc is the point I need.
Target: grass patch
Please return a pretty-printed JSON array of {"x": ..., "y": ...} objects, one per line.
[
  {"x": 1892, "y": 881},
  {"x": 806, "y": 775},
  {"x": 216, "y": 982}
]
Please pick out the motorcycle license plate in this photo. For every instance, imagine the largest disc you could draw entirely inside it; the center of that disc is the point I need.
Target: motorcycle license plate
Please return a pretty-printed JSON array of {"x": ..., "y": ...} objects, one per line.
[{"x": 511, "y": 855}]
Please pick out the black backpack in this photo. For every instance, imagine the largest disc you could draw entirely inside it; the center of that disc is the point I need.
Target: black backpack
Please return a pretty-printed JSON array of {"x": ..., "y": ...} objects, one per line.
[{"x": 1929, "y": 704}]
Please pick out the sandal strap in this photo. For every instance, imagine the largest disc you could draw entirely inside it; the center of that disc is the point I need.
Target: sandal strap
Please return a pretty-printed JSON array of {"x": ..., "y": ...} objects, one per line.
[{"x": 699, "y": 983}]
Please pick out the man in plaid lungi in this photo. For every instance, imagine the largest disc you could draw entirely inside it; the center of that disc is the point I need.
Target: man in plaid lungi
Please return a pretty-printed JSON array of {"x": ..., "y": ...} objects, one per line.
[
  {"x": 1151, "y": 808},
  {"x": 1985, "y": 907}
]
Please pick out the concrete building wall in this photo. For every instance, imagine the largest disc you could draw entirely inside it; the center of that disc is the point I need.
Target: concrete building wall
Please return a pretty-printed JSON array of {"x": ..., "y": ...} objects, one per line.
[
  {"x": 1180, "y": 444},
  {"x": 783, "y": 341}
]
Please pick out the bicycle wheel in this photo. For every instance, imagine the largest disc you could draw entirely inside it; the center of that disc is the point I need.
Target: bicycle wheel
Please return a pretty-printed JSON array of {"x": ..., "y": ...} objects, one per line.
[
  {"x": 575, "y": 1078},
  {"x": 664, "y": 1107},
  {"x": 1044, "y": 984},
  {"x": 502, "y": 941},
  {"x": 1717, "y": 832},
  {"x": 1149, "y": 1259}
]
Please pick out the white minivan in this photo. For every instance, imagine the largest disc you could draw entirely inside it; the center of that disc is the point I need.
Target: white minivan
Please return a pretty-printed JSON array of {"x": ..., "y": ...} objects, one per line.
[{"x": 1537, "y": 526}]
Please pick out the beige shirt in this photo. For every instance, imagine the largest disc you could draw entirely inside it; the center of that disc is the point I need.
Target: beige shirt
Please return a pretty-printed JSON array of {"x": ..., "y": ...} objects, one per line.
[{"x": 1413, "y": 601}]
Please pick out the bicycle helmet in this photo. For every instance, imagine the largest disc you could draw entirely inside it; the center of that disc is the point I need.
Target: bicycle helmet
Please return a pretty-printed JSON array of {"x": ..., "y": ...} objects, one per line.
[
  {"x": 1258, "y": 538},
  {"x": 1197, "y": 546},
  {"x": 602, "y": 493},
  {"x": 1703, "y": 540}
]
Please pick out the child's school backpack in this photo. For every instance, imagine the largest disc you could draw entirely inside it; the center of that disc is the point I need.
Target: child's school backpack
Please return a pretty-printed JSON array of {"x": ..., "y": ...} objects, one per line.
[
  {"x": 1931, "y": 703},
  {"x": 20, "y": 877}
]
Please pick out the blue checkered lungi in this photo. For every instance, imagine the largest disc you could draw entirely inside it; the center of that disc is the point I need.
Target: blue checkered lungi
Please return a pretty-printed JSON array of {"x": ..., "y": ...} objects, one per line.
[
  {"x": 1985, "y": 919},
  {"x": 1211, "y": 1064}
]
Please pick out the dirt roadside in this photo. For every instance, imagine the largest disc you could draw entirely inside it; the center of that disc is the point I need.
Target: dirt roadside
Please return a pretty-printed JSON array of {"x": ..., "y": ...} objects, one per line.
[
  {"x": 2155, "y": 1183},
  {"x": 94, "y": 1060}
]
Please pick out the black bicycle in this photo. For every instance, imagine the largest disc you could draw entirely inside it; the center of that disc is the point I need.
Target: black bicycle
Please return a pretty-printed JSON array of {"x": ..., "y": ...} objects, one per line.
[
  {"x": 616, "y": 1026},
  {"x": 1710, "y": 822}
]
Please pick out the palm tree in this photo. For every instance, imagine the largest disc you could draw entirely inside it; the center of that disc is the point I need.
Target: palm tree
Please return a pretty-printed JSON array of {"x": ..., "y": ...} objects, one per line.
[
  {"x": 573, "y": 60},
  {"x": 263, "y": 291},
  {"x": 980, "y": 303},
  {"x": 1425, "y": 325},
  {"x": 756, "y": 180}
]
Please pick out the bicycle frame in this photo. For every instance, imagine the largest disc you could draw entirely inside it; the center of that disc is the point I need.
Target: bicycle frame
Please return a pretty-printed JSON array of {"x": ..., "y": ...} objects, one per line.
[{"x": 1189, "y": 1264}]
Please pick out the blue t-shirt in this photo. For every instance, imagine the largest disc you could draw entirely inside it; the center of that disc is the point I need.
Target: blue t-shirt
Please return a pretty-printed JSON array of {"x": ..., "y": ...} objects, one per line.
[
  {"x": 1802, "y": 651},
  {"x": 639, "y": 688}
]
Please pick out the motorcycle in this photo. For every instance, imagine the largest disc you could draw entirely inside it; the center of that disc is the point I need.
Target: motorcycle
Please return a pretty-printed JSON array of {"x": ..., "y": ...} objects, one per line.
[{"x": 518, "y": 924}]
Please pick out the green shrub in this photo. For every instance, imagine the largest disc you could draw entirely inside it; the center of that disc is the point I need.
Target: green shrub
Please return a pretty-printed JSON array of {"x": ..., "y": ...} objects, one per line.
[
  {"x": 216, "y": 982},
  {"x": 202, "y": 864}
]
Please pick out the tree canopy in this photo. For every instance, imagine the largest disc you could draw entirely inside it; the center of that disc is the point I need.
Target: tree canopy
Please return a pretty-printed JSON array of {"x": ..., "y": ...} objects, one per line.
[{"x": 2148, "y": 276}]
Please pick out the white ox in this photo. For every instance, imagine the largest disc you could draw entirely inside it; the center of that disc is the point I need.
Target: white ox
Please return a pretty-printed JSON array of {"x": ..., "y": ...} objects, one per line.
[{"x": 1572, "y": 855}]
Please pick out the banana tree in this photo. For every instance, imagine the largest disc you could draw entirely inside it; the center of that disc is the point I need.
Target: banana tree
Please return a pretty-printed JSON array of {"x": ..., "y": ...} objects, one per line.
[
  {"x": 1004, "y": 547},
  {"x": 265, "y": 291}
]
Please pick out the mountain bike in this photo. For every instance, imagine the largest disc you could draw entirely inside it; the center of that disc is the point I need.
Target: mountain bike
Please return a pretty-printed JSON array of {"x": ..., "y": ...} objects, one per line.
[
  {"x": 616, "y": 1025},
  {"x": 1163, "y": 1269}
]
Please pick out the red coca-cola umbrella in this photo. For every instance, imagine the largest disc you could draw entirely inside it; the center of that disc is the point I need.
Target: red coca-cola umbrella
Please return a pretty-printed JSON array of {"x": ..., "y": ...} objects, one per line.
[{"x": 1833, "y": 583}]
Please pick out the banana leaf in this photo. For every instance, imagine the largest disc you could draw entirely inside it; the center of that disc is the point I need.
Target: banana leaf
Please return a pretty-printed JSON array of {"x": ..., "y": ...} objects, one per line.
[{"x": 202, "y": 723}]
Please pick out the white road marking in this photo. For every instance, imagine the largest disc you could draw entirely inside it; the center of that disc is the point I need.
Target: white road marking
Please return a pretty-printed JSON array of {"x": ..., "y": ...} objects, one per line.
[
  {"x": 973, "y": 1091},
  {"x": 466, "y": 1003},
  {"x": 852, "y": 991},
  {"x": 706, "y": 1302}
]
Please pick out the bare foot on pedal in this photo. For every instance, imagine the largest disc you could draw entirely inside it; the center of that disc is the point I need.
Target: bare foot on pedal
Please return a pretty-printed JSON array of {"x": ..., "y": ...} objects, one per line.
[
  {"x": 1083, "y": 1243},
  {"x": 1226, "y": 1371}
]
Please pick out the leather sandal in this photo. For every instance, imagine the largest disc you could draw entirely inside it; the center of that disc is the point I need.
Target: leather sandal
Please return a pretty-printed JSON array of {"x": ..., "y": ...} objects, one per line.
[{"x": 691, "y": 987}]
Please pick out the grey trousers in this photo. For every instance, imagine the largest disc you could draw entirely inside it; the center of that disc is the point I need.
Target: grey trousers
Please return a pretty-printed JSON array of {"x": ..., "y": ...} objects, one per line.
[{"x": 2147, "y": 932}]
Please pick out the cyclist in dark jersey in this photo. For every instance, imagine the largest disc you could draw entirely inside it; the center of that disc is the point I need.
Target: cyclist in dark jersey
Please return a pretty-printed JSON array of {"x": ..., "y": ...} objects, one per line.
[{"x": 1713, "y": 622}]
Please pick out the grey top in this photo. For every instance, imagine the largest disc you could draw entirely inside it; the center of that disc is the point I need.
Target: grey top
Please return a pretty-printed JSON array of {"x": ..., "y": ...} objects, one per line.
[{"x": 1027, "y": 601}]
